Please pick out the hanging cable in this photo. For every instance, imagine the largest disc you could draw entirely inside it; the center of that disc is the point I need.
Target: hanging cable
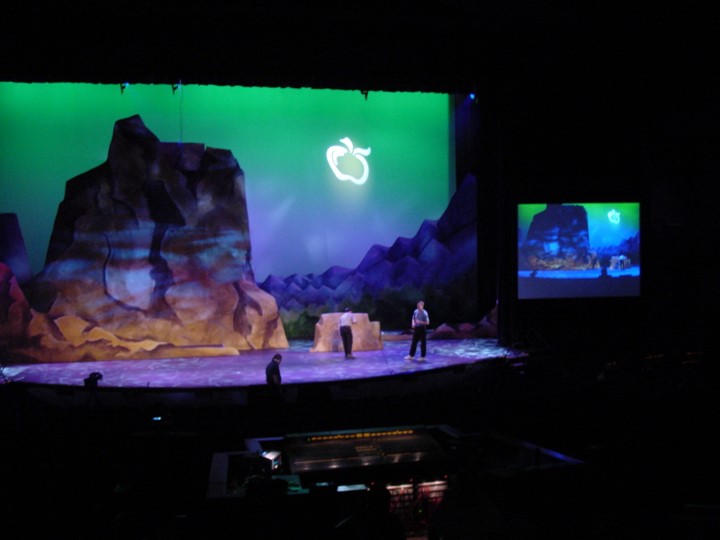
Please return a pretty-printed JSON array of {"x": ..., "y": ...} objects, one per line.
[{"x": 178, "y": 86}]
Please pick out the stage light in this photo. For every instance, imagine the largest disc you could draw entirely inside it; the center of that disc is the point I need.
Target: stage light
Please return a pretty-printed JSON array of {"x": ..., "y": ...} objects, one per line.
[
  {"x": 123, "y": 86},
  {"x": 275, "y": 458},
  {"x": 91, "y": 381},
  {"x": 175, "y": 86},
  {"x": 472, "y": 96}
]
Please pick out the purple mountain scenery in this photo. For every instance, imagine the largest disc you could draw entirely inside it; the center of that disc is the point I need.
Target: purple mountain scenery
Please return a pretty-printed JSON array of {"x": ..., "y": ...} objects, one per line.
[{"x": 438, "y": 264}]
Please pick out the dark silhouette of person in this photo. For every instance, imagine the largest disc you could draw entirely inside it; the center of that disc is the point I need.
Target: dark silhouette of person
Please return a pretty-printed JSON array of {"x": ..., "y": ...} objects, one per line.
[{"x": 272, "y": 371}]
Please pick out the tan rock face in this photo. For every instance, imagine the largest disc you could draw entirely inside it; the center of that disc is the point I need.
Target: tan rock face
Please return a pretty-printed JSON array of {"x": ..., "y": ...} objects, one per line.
[
  {"x": 366, "y": 334},
  {"x": 150, "y": 257}
]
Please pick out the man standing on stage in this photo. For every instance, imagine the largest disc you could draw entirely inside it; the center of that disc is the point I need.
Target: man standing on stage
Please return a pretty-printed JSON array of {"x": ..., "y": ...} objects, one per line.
[
  {"x": 420, "y": 320},
  {"x": 346, "y": 321}
]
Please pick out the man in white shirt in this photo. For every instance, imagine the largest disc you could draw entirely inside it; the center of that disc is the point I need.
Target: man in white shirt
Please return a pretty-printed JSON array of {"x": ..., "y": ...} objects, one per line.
[{"x": 346, "y": 321}]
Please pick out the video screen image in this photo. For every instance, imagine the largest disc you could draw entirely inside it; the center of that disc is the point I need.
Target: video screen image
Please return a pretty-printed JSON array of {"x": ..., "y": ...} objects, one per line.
[{"x": 578, "y": 250}]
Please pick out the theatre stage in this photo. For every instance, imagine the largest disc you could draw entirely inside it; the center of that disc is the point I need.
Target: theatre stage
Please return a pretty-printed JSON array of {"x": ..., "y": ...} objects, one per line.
[
  {"x": 369, "y": 371},
  {"x": 308, "y": 377},
  {"x": 228, "y": 399}
]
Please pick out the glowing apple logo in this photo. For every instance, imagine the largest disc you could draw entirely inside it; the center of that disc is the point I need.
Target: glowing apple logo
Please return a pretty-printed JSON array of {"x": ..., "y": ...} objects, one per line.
[
  {"x": 614, "y": 216},
  {"x": 335, "y": 153}
]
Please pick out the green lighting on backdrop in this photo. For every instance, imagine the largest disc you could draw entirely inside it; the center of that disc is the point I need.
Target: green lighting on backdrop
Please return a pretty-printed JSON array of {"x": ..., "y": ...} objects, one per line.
[{"x": 302, "y": 219}]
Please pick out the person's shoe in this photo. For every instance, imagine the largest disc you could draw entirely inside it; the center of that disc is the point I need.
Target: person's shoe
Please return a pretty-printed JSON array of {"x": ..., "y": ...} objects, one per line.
[
  {"x": 350, "y": 357},
  {"x": 409, "y": 358},
  {"x": 422, "y": 359}
]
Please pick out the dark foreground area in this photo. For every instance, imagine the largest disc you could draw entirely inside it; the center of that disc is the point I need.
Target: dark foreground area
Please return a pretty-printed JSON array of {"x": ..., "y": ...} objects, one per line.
[{"x": 639, "y": 434}]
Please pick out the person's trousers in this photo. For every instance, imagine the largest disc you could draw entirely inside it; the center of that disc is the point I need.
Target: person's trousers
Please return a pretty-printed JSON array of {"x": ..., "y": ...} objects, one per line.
[
  {"x": 347, "y": 339},
  {"x": 419, "y": 335}
]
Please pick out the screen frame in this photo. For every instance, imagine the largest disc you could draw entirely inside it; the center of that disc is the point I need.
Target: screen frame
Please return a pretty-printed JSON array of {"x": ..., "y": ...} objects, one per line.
[{"x": 573, "y": 289}]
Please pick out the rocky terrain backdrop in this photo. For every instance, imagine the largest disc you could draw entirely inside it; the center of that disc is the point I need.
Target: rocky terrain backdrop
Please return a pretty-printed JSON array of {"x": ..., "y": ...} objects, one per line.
[{"x": 149, "y": 257}]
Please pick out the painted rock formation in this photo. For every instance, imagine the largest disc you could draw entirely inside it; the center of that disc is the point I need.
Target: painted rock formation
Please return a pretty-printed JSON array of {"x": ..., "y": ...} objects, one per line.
[
  {"x": 366, "y": 334},
  {"x": 150, "y": 258}
]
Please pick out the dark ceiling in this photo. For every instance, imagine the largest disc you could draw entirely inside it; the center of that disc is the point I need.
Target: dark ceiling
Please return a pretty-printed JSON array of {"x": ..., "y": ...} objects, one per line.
[{"x": 453, "y": 46}]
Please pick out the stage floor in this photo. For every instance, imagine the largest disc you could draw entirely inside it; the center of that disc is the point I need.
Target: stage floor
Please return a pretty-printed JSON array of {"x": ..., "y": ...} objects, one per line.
[{"x": 299, "y": 366}]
